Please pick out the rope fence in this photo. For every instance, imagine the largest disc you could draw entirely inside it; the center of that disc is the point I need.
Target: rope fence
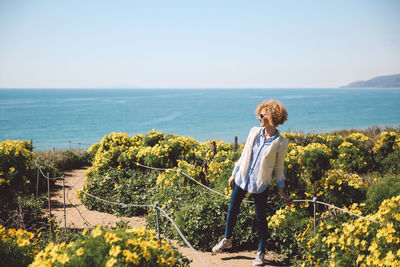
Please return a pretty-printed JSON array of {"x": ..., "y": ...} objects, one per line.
[
  {"x": 155, "y": 206},
  {"x": 124, "y": 205},
  {"x": 164, "y": 213},
  {"x": 48, "y": 178},
  {"x": 188, "y": 176},
  {"x": 314, "y": 200}
]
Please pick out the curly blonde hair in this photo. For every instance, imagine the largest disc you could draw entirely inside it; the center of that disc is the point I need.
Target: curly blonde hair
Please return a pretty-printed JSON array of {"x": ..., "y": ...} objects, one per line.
[{"x": 274, "y": 110}]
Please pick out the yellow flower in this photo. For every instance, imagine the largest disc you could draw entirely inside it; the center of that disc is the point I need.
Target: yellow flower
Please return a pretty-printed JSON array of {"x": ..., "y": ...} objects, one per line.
[
  {"x": 114, "y": 251},
  {"x": 111, "y": 262},
  {"x": 96, "y": 231},
  {"x": 79, "y": 252},
  {"x": 63, "y": 258},
  {"x": 112, "y": 238},
  {"x": 132, "y": 257},
  {"x": 23, "y": 242},
  {"x": 373, "y": 246},
  {"x": 84, "y": 232}
]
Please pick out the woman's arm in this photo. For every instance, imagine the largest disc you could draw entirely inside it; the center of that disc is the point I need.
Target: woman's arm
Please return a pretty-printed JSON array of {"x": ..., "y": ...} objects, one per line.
[{"x": 231, "y": 181}]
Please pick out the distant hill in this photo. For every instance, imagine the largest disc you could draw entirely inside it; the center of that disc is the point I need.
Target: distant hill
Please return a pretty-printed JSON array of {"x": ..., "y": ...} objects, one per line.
[{"x": 389, "y": 81}]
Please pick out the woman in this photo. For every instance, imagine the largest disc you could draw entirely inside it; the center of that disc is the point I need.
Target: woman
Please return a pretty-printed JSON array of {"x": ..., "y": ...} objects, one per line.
[{"x": 265, "y": 150}]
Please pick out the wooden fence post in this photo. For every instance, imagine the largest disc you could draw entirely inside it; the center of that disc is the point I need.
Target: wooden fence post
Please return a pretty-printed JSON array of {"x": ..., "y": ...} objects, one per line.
[
  {"x": 236, "y": 143},
  {"x": 49, "y": 201},
  {"x": 37, "y": 182},
  {"x": 65, "y": 212}
]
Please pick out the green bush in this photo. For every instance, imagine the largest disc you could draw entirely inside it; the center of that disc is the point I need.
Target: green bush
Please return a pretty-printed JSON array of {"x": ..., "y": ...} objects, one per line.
[
  {"x": 388, "y": 187},
  {"x": 123, "y": 186},
  {"x": 284, "y": 228},
  {"x": 15, "y": 168},
  {"x": 153, "y": 138},
  {"x": 333, "y": 143},
  {"x": 171, "y": 199},
  {"x": 391, "y": 163},
  {"x": 315, "y": 162},
  {"x": 31, "y": 208},
  {"x": 73, "y": 160},
  {"x": 203, "y": 223},
  {"x": 351, "y": 159}
]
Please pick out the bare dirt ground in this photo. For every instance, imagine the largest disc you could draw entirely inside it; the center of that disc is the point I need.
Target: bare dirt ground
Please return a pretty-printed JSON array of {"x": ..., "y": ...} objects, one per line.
[{"x": 78, "y": 216}]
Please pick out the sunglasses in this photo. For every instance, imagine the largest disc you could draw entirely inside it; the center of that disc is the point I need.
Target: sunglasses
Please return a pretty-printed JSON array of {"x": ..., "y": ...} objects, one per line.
[{"x": 261, "y": 116}]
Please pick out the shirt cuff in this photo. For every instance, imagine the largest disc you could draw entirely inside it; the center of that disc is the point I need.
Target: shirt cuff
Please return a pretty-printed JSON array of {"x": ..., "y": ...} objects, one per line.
[{"x": 281, "y": 184}]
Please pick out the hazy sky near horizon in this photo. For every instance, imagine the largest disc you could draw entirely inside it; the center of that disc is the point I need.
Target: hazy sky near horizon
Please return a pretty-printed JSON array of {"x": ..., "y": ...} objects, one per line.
[{"x": 197, "y": 44}]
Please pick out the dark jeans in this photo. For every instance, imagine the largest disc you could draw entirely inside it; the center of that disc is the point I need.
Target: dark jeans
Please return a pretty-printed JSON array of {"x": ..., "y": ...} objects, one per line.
[{"x": 260, "y": 206}]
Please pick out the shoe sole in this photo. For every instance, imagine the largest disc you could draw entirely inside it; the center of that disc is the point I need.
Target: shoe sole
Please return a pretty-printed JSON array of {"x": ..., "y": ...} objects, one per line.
[{"x": 220, "y": 250}]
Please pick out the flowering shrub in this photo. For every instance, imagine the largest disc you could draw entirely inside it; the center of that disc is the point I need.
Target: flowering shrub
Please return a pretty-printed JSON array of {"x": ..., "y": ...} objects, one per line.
[
  {"x": 343, "y": 241},
  {"x": 17, "y": 247},
  {"x": 386, "y": 144},
  {"x": 15, "y": 169},
  {"x": 333, "y": 142},
  {"x": 322, "y": 166},
  {"x": 300, "y": 139},
  {"x": 285, "y": 225},
  {"x": 174, "y": 177},
  {"x": 338, "y": 188},
  {"x": 119, "y": 247},
  {"x": 110, "y": 149},
  {"x": 387, "y": 151},
  {"x": 15, "y": 164},
  {"x": 118, "y": 150},
  {"x": 350, "y": 158},
  {"x": 293, "y": 168}
]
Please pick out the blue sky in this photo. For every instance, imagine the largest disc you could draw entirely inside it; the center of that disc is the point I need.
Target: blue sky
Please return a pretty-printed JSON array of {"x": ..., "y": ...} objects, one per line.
[{"x": 196, "y": 44}]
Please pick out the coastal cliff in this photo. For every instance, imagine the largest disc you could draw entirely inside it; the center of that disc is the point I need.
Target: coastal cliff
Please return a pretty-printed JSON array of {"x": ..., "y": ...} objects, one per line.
[{"x": 388, "y": 81}]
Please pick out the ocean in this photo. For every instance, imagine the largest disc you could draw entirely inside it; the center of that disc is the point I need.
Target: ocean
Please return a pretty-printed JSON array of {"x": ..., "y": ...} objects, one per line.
[{"x": 77, "y": 118}]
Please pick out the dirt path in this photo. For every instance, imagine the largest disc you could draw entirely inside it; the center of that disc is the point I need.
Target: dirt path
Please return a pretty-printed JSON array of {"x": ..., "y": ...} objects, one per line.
[{"x": 78, "y": 216}]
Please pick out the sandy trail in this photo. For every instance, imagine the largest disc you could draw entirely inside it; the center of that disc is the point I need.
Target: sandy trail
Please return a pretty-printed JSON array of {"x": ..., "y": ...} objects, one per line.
[{"x": 78, "y": 216}]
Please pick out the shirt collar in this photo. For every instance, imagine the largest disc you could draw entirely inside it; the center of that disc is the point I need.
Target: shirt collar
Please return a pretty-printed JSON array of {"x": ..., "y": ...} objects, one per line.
[{"x": 270, "y": 139}]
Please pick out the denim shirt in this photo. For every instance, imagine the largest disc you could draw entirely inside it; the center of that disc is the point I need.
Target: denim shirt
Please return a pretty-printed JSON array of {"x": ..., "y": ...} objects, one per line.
[{"x": 249, "y": 182}]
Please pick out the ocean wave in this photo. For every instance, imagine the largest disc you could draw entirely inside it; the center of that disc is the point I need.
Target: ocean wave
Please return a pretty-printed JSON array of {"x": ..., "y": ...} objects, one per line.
[{"x": 162, "y": 119}]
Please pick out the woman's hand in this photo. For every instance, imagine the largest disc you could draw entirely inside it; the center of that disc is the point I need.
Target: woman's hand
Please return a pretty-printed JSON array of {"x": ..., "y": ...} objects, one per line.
[
  {"x": 285, "y": 197},
  {"x": 232, "y": 181}
]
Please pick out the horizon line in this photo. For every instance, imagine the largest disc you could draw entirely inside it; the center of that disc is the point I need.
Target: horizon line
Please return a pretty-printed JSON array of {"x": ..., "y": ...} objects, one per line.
[{"x": 185, "y": 88}]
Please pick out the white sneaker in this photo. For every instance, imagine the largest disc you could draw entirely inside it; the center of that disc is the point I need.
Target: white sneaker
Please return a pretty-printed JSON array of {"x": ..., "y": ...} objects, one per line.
[
  {"x": 259, "y": 260},
  {"x": 223, "y": 244}
]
